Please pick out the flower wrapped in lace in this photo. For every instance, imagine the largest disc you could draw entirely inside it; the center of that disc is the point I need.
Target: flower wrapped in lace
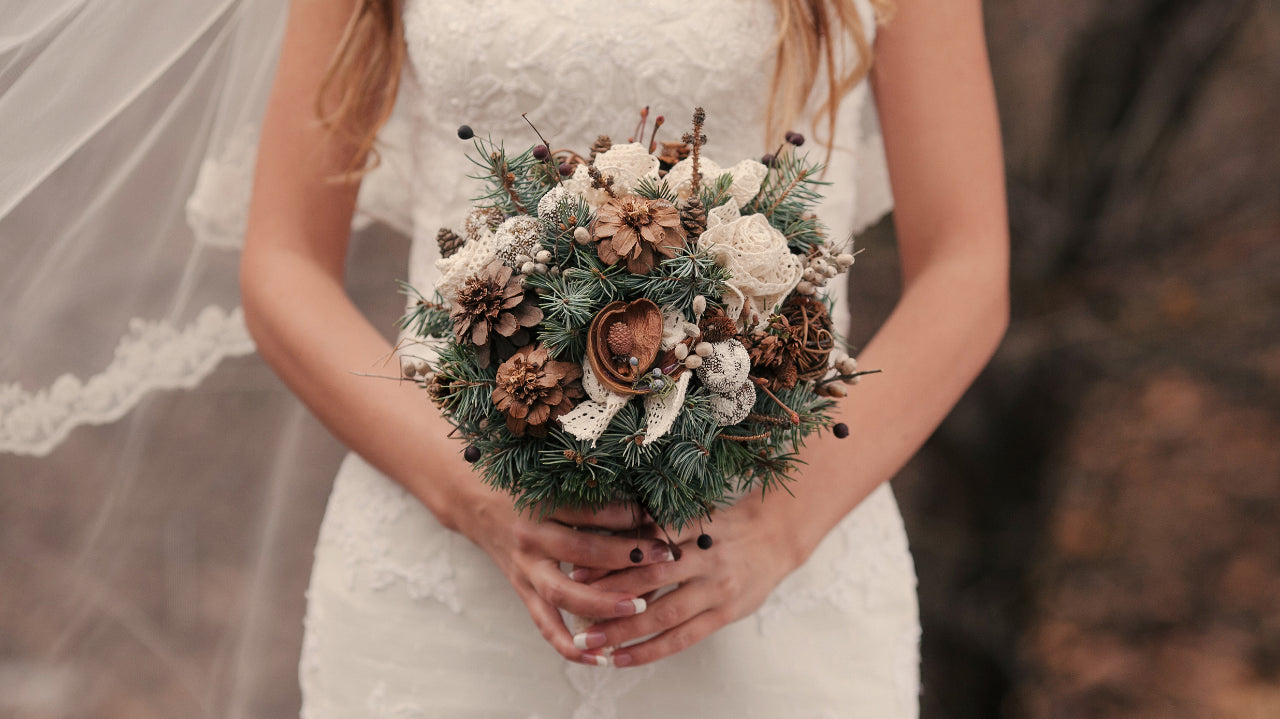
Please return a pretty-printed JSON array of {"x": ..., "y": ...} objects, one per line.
[{"x": 660, "y": 324}]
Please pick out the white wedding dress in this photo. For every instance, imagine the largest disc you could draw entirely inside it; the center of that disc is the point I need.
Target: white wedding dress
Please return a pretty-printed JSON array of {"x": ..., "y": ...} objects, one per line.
[{"x": 408, "y": 619}]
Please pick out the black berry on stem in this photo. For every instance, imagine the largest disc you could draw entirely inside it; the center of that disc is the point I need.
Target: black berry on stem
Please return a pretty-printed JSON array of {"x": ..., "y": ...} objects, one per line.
[
  {"x": 704, "y": 541},
  {"x": 637, "y": 556},
  {"x": 465, "y": 132},
  {"x": 840, "y": 430},
  {"x": 541, "y": 152},
  {"x": 471, "y": 454}
]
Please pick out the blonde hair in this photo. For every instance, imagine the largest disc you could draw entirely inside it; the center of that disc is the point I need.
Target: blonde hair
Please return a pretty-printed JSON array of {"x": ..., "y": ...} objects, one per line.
[{"x": 360, "y": 85}]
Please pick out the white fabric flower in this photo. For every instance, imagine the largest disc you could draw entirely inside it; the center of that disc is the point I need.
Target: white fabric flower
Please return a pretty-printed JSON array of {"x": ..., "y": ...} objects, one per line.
[
  {"x": 756, "y": 254},
  {"x": 626, "y": 164},
  {"x": 747, "y": 176}
]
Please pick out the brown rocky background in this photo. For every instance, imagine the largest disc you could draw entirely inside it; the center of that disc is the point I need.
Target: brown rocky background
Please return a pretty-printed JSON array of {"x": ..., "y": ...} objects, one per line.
[{"x": 1095, "y": 527}]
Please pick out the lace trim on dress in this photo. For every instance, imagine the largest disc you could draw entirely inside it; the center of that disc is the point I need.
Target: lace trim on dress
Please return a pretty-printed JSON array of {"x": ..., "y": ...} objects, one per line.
[{"x": 153, "y": 355}]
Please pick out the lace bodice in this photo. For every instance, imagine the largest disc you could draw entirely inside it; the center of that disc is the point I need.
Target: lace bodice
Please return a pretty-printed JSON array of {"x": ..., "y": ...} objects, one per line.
[{"x": 581, "y": 68}]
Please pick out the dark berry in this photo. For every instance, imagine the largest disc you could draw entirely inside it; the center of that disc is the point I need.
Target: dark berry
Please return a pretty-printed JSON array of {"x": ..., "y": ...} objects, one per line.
[
  {"x": 841, "y": 430},
  {"x": 471, "y": 454},
  {"x": 768, "y": 159},
  {"x": 465, "y": 132},
  {"x": 795, "y": 138},
  {"x": 566, "y": 169},
  {"x": 541, "y": 152},
  {"x": 704, "y": 541},
  {"x": 637, "y": 556}
]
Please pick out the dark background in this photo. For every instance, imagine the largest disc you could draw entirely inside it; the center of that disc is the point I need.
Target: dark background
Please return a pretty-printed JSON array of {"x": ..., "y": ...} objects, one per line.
[{"x": 1095, "y": 526}]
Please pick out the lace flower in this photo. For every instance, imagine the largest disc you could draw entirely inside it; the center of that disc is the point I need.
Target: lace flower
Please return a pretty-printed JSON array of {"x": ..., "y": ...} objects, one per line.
[
  {"x": 756, "y": 254},
  {"x": 626, "y": 164},
  {"x": 747, "y": 176}
]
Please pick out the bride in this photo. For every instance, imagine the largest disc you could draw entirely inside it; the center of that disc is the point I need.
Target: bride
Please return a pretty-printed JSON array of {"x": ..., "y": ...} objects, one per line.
[{"x": 430, "y": 595}]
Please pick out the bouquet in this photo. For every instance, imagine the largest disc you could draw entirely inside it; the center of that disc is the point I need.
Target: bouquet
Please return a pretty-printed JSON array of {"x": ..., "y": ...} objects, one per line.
[{"x": 636, "y": 325}]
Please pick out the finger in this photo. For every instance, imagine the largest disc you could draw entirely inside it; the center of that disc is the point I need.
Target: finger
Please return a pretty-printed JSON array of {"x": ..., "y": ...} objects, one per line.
[
  {"x": 666, "y": 613},
  {"x": 583, "y": 549},
  {"x": 549, "y": 622},
  {"x": 587, "y": 575},
  {"x": 585, "y": 601},
  {"x": 617, "y": 517},
  {"x": 672, "y": 641},
  {"x": 647, "y": 578}
]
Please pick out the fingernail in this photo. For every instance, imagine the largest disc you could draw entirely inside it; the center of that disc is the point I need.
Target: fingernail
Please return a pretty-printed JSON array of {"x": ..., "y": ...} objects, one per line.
[
  {"x": 595, "y": 660},
  {"x": 627, "y": 607},
  {"x": 662, "y": 554},
  {"x": 579, "y": 575},
  {"x": 621, "y": 659},
  {"x": 589, "y": 640}
]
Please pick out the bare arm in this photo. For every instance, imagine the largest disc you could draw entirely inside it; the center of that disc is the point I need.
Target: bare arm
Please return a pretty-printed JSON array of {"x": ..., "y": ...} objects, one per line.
[
  {"x": 942, "y": 139},
  {"x": 308, "y": 330}
]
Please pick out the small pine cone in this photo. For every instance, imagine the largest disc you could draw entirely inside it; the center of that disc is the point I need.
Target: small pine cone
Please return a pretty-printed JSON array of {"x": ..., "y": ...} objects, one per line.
[
  {"x": 602, "y": 144},
  {"x": 694, "y": 218},
  {"x": 716, "y": 327},
  {"x": 449, "y": 241},
  {"x": 621, "y": 340}
]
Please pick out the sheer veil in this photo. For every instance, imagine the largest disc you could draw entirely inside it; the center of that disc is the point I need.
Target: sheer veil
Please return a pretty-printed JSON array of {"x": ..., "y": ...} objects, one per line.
[{"x": 152, "y": 539}]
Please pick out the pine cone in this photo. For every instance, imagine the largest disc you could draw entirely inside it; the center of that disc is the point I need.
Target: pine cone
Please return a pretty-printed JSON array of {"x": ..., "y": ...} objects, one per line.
[
  {"x": 694, "y": 218},
  {"x": 716, "y": 327},
  {"x": 492, "y": 306},
  {"x": 602, "y": 144},
  {"x": 532, "y": 389},
  {"x": 621, "y": 340},
  {"x": 774, "y": 353},
  {"x": 449, "y": 242}
]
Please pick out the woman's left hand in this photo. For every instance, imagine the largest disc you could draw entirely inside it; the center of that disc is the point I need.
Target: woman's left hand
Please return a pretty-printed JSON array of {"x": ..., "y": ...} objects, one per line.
[{"x": 754, "y": 548}]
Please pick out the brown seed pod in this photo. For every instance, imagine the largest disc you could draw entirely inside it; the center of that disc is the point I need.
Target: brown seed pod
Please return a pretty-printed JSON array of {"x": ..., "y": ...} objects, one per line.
[{"x": 643, "y": 319}]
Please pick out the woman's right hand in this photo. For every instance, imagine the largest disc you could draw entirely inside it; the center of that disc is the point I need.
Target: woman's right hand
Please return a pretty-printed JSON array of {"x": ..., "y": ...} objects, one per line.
[{"x": 530, "y": 551}]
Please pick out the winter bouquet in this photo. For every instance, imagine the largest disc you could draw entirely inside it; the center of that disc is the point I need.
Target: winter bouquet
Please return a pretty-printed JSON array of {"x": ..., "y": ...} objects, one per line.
[{"x": 638, "y": 325}]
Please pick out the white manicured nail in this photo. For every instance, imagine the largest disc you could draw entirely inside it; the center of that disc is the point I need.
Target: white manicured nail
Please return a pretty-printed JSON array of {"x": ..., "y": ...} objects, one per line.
[{"x": 640, "y": 605}]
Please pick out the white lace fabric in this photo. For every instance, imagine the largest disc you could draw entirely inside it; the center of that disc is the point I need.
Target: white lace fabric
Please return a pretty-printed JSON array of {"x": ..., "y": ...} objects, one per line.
[{"x": 838, "y": 638}]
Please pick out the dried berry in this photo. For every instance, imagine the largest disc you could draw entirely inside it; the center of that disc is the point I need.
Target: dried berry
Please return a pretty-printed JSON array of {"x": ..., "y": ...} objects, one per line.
[
  {"x": 540, "y": 152},
  {"x": 840, "y": 430},
  {"x": 471, "y": 454}
]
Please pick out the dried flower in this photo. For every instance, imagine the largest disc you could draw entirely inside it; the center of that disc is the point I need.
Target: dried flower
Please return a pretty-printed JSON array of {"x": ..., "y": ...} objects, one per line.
[
  {"x": 492, "y": 304},
  {"x": 636, "y": 229},
  {"x": 532, "y": 389}
]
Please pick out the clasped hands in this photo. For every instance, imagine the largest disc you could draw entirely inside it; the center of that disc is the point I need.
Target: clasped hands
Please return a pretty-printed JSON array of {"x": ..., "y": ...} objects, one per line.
[{"x": 755, "y": 547}]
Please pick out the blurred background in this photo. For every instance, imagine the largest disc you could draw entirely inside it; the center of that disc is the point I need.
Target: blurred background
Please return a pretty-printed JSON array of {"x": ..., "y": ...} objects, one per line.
[{"x": 1095, "y": 527}]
